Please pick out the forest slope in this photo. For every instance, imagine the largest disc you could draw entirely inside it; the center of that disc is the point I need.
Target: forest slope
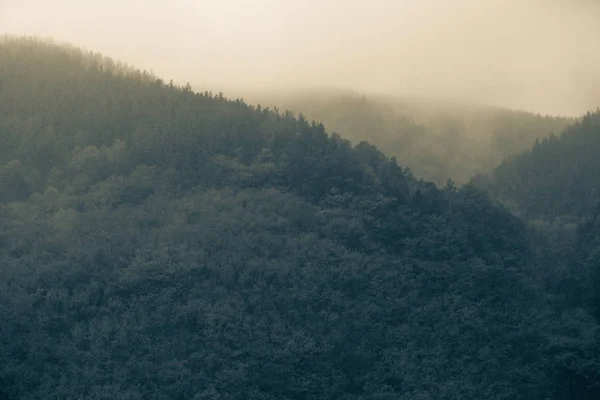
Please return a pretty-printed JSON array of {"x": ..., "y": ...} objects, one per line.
[
  {"x": 161, "y": 243},
  {"x": 556, "y": 187}
]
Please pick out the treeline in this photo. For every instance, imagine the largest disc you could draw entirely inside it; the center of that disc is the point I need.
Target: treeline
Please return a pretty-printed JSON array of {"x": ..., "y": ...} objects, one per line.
[
  {"x": 161, "y": 243},
  {"x": 436, "y": 139}
]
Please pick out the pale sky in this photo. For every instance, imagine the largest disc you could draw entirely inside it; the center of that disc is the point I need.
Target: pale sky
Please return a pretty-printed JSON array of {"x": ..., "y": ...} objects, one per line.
[{"x": 540, "y": 55}]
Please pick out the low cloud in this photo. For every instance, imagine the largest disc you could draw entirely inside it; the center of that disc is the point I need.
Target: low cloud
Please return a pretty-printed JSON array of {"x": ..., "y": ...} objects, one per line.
[{"x": 536, "y": 55}]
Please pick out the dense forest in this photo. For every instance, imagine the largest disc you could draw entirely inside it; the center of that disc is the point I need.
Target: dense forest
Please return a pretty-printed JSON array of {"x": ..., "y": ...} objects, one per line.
[
  {"x": 162, "y": 243},
  {"x": 436, "y": 139}
]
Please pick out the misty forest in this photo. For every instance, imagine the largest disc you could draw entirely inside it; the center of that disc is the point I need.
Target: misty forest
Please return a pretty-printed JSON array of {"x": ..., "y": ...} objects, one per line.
[{"x": 161, "y": 241}]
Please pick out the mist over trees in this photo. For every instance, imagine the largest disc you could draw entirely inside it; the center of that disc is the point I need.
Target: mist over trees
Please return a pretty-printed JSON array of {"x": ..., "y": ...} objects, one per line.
[
  {"x": 520, "y": 54},
  {"x": 437, "y": 140},
  {"x": 157, "y": 242}
]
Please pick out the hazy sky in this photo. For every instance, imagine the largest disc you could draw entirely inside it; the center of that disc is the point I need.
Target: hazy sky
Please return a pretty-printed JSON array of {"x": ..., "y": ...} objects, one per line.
[{"x": 541, "y": 55}]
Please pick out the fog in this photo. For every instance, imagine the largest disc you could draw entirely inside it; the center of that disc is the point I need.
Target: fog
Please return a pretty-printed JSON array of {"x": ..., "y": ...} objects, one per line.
[{"x": 539, "y": 55}]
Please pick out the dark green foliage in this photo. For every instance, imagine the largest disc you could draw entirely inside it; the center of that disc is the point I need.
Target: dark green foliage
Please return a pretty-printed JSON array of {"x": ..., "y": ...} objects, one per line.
[{"x": 161, "y": 243}]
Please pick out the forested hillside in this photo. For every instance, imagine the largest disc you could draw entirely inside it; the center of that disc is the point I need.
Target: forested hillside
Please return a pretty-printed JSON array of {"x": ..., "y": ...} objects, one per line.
[
  {"x": 161, "y": 243},
  {"x": 555, "y": 186},
  {"x": 436, "y": 139}
]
